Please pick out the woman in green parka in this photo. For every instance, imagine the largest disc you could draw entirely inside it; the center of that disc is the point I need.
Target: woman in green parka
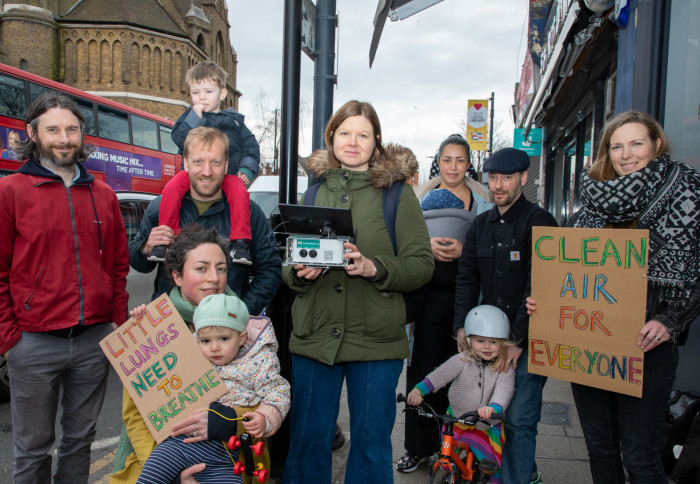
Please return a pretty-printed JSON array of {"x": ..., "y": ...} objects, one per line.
[{"x": 349, "y": 323}]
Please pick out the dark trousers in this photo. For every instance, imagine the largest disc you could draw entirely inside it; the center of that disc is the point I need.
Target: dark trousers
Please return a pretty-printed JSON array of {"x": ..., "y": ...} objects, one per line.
[
  {"x": 615, "y": 424},
  {"x": 43, "y": 368},
  {"x": 434, "y": 343},
  {"x": 687, "y": 469}
]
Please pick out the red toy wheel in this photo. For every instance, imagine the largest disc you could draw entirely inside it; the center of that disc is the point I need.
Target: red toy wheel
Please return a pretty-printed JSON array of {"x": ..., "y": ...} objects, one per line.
[
  {"x": 238, "y": 468},
  {"x": 262, "y": 475},
  {"x": 233, "y": 442},
  {"x": 259, "y": 448}
]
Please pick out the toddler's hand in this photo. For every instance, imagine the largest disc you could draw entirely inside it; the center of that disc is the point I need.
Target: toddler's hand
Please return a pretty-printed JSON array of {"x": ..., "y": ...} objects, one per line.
[
  {"x": 256, "y": 425},
  {"x": 198, "y": 109},
  {"x": 244, "y": 179},
  {"x": 138, "y": 311},
  {"x": 485, "y": 412},
  {"x": 414, "y": 398}
]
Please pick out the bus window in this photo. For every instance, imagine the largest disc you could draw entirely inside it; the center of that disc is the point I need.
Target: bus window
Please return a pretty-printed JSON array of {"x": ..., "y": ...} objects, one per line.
[
  {"x": 88, "y": 111},
  {"x": 166, "y": 140},
  {"x": 36, "y": 90},
  {"x": 113, "y": 124},
  {"x": 144, "y": 132},
  {"x": 12, "y": 98}
]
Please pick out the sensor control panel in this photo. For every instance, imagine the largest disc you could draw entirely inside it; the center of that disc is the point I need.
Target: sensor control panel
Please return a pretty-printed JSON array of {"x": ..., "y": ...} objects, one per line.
[{"x": 316, "y": 251}]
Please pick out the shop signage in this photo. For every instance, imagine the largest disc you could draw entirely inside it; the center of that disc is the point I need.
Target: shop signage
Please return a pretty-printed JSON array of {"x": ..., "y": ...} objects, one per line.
[
  {"x": 532, "y": 145},
  {"x": 556, "y": 23},
  {"x": 524, "y": 87}
]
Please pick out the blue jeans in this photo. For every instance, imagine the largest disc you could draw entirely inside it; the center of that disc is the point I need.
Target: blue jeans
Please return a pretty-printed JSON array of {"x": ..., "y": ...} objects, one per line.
[
  {"x": 316, "y": 388},
  {"x": 522, "y": 417},
  {"x": 39, "y": 366},
  {"x": 613, "y": 422}
]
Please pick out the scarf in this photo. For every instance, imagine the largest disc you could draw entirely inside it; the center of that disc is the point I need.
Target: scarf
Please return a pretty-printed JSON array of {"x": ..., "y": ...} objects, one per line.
[
  {"x": 664, "y": 198},
  {"x": 186, "y": 309}
]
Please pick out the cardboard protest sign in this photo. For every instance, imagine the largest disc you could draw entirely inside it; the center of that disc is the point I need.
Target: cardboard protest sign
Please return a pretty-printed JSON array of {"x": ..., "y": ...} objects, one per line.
[
  {"x": 590, "y": 288},
  {"x": 162, "y": 367}
]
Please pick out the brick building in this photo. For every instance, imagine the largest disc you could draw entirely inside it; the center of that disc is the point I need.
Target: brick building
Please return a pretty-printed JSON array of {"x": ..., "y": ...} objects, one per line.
[{"x": 133, "y": 51}]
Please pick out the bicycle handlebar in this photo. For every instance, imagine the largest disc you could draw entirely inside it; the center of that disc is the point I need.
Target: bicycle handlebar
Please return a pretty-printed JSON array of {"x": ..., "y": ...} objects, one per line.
[{"x": 424, "y": 409}]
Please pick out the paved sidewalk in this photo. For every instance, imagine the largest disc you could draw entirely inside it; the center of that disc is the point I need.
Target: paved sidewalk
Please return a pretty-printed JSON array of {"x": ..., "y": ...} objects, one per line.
[{"x": 561, "y": 451}]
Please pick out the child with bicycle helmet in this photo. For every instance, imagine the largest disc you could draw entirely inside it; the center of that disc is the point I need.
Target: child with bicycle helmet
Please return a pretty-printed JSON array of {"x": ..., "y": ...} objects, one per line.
[{"x": 476, "y": 383}]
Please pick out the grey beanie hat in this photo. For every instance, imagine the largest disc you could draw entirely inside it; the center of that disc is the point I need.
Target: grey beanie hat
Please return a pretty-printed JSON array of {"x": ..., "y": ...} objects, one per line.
[{"x": 221, "y": 310}]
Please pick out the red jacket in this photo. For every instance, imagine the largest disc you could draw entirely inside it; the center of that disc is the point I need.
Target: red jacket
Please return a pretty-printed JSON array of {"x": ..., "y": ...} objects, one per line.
[{"x": 63, "y": 253}]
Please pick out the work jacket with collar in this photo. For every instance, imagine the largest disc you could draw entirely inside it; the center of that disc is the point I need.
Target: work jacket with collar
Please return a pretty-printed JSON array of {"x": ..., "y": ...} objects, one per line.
[
  {"x": 496, "y": 263},
  {"x": 256, "y": 284},
  {"x": 63, "y": 253},
  {"x": 340, "y": 318}
]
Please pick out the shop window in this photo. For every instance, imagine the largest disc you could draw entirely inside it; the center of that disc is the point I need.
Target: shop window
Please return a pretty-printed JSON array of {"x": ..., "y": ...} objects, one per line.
[
  {"x": 682, "y": 105},
  {"x": 610, "y": 85}
]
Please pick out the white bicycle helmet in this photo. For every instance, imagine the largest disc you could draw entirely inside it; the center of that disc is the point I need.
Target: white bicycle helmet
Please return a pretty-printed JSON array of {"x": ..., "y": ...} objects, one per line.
[{"x": 487, "y": 321}]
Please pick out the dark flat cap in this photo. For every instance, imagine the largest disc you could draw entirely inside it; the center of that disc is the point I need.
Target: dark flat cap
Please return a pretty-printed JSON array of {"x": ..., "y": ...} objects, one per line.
[{"x": 507, "y": 161}]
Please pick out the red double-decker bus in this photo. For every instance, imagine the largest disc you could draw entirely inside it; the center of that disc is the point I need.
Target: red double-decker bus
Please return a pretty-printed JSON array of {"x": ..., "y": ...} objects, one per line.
[{"x": 133, "y": 149}]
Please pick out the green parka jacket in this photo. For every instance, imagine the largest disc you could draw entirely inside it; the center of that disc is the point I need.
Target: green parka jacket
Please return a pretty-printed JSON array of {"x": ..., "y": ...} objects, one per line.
[{"x": 339, "y": 318}]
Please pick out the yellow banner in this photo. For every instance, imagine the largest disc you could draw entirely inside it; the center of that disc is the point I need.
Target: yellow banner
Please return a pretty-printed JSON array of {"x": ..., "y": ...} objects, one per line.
[{"x": 477, "y": 124}]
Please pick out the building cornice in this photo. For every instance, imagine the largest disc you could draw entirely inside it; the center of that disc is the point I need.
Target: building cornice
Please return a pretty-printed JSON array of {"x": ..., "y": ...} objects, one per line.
[{"x": 142, "y": 30}]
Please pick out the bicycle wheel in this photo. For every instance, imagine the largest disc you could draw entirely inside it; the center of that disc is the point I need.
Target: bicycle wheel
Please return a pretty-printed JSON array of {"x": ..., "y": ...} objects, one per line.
[{"x": 444, "y": 476}]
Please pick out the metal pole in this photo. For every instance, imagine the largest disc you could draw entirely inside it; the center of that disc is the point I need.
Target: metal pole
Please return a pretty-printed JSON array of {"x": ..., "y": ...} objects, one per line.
[
  {"x": 291, "y": 75},
  {"x": 279, "y": 309},
  {"x": 276, "y": 151},
  {"x": 324, "y": 76},
  {"x": 491, "y": 125}
]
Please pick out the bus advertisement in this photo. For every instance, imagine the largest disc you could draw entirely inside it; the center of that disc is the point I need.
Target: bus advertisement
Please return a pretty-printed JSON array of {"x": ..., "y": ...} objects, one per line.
[{"x": 133, "y": 150}]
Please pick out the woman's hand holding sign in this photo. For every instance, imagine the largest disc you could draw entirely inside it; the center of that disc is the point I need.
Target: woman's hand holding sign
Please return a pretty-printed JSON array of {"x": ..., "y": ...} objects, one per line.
[
  {"x": 652, "y": 335},
  {"x": 194, "y": 425}
]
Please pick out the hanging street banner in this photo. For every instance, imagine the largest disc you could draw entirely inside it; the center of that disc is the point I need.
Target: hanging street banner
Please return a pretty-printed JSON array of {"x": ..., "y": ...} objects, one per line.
[
  {"x": 160, "y": 364},
  {"x": 532, "y": 145},
  {"x": 590, "y": 289},
  {"x": 477, "y": 124}
]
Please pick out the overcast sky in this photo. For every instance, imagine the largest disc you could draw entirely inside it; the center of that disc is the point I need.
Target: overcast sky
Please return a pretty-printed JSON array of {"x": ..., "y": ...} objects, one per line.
[{"x": 426, "y": 68}]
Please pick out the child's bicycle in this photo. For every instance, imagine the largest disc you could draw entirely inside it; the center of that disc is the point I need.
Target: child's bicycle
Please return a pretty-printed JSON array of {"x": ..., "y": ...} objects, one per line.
[{"x": 455, "y": 463}]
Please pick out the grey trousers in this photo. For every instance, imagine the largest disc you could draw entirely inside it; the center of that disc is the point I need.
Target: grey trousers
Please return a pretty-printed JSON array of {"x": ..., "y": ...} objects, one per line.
[{"x": 39, "y": 366}]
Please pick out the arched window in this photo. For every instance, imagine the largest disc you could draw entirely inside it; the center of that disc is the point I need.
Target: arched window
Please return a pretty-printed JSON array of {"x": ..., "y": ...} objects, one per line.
[
  {"x": 200, "y": 42},
  {"x": 23, "y": 64},
  {"x": 220, "y": 50}
]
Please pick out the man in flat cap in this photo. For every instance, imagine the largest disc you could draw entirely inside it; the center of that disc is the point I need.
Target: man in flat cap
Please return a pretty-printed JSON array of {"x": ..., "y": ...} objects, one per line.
[{"x": 495, "y": 263}]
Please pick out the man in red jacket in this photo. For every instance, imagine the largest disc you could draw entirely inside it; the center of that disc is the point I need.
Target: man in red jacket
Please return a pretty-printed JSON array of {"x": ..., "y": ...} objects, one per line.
[{"x": 63, "y": 266}]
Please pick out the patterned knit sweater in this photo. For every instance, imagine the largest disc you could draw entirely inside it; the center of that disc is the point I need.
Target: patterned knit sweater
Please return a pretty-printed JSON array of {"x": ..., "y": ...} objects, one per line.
[{"x": 473, "y": 385}]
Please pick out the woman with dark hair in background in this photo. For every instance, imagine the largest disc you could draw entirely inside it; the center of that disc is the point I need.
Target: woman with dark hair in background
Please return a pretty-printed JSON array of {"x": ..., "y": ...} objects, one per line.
[
  {"x": 450, "y": 202},
  {"x": 634, "y": 183}
]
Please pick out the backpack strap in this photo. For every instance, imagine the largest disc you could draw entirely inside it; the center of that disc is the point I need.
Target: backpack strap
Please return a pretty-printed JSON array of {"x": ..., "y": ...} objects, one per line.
[
  {"x": 390, "y": 205},
  {"x": 310, "y": 194}
]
